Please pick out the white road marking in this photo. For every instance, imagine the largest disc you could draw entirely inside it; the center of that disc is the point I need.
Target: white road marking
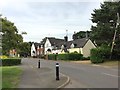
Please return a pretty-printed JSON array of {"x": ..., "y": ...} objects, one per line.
[{"x": 111, "y": 75}]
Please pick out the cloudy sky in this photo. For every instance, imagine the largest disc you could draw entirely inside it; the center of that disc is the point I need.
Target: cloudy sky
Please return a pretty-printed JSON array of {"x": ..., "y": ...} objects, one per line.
[{"x": 49, "y": 18}]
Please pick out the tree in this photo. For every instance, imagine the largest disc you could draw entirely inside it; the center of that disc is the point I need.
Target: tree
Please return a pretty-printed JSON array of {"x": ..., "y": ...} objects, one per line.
[
  {"x": 104, "y": 30},
  {"x": 25, "y": 48},
  {"x": 105, "y": 19},
  {"x": 10, "y": 37},
  {"x": 81, "y": 34}
]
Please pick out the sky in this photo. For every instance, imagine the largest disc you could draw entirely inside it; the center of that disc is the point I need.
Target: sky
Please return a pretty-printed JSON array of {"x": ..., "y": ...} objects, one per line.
[{"x": 49, "y": 18}]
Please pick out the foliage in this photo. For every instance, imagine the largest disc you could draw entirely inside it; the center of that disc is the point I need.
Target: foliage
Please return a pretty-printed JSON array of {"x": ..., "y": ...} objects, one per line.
[
  {"x": 10, "y": 37},
  {"x": 3, "y": 57},
  {"x": 67, "y": 56},
  {"x": 52, "y": 57},
  {"x": 75, "y": 52},
  {"x": 12, "y": 40},
  {"x": 11, "y": 61},
  {"x": 81, "y": 34},
  {"x": 10, "y": 77},
  {"x": 104, "y": 30},
  {"x": 25, "y": 49},
  {"x": 86, "y": 58},
  {"x": 98, "y": 55},
  {"x": 95, "y": 56}
]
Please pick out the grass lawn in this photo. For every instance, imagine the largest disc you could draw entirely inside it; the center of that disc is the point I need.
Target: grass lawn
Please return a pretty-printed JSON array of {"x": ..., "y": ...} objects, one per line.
[
  {"x": 10, "y": 76},
  {"x": 112, "y": 63}
]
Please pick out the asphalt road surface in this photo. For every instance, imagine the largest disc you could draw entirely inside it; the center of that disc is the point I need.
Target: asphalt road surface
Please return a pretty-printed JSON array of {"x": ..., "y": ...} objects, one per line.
[{"x": 83, "y": 75}]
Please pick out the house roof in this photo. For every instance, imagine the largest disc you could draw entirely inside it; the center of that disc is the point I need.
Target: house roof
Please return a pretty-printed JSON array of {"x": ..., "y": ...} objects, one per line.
[
  {"x": 37, "y": 44},
  {"x": 55, "y": 41},
  {"x": 79, "y": 43}
]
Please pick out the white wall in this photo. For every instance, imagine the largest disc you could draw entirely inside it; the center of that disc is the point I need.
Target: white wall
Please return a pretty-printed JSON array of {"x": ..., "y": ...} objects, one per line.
[
  {"x": 47, "y": 46},
  {"x": 86, "y": 49},
  {"x": 33, "y": 49}
]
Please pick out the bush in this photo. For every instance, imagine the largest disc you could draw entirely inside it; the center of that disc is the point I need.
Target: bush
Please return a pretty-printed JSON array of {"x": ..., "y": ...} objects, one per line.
[
  {"x": 98, "y": 55},
  {"x": 70, "y": 56},
  {"x": 116, "y": 55},
  {"x": 11, "y": 61},
  {"x": 52, "y": 57},
  {"x": 86, "y": 58},
  {"x": 63, "y": 57},
  {"x": 3, "y": 56}
]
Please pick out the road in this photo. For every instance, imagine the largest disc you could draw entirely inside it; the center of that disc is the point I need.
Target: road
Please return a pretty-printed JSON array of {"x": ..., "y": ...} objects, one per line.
[{"x": 83, "y": 75}]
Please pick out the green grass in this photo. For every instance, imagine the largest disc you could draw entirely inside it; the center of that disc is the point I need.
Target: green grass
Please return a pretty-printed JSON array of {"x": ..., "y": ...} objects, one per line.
[
  {"x": 10, "y": 76},
  {"x": 110, "y": 63}
]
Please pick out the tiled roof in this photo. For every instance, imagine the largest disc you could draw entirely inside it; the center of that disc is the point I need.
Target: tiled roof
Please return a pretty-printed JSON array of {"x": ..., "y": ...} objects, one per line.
[
  {"x": 37, "y": 44},
  {"x": 55, "y": 41},
  {"x": 79, "y": 43}
]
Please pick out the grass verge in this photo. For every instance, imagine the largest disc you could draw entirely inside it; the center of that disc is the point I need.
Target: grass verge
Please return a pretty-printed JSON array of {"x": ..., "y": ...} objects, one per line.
[
  {"x": 112, "y": 63},
  {"x": 10, "y": 76}
]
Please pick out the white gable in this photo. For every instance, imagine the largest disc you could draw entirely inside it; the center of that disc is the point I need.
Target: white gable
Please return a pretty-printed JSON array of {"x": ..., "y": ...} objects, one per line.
[
  {"x": 33, "y": 50},
  {"x": 47, "y": 46},
  {"x": 72, "y": 45}
]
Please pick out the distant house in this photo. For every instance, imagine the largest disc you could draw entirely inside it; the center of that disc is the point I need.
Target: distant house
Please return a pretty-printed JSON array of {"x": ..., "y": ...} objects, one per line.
[
  {"x": 36, "y": 49},
  {"x": 82, "y": 46},
  {"x": 50, "y": 45}
]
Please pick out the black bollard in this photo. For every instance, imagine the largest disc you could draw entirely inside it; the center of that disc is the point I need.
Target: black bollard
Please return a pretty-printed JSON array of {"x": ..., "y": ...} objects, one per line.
[
  {"x": 57, "y": 71},
  {"x": 39, "y": 64}
]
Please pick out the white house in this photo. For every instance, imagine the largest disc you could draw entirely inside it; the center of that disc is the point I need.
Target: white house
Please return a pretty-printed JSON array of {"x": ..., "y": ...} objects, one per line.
[
  {"x": 33, "y": 50},
  {"x": 50, "y": 45},
  {"x": 53, "y": 45},
  {"x": 37, "y": 49}
]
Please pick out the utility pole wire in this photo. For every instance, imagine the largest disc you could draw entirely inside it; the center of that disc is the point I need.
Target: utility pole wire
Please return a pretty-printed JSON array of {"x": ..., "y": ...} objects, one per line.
[{"x": 113, "y": 43}]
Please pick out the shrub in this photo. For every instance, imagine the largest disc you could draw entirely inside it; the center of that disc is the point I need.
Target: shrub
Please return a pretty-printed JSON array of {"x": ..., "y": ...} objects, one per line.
[
  {"x": 52, "y": 57},
  {"x": 86, "y": 58},
  {"x": 3, "y": 56},
  {"x": 98, "y": 55},
  {"x": 70, "y": 56},
  {"x": 62, "y": 57},
  {"x": 115, "y": 55},
  {"x": 11, "y": 61},
  {"x": 75, "y": 52}
]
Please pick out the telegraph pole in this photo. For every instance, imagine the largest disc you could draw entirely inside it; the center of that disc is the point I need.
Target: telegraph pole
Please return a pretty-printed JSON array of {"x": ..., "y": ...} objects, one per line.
[{"x": 113, "y": 42}]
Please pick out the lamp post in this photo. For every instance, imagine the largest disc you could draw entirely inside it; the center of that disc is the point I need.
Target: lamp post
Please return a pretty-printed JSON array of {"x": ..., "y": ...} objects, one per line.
[{"x": 113, "y": 42}]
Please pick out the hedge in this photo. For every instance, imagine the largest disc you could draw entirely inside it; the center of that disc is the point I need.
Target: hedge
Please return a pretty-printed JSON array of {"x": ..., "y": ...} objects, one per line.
[
  {"x": 11, "y": 61},
  {"x": 70, "y": 56},
  {"x": 52, "y": 57}
]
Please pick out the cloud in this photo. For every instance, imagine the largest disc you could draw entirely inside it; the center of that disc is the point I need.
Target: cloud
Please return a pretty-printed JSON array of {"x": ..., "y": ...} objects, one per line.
[{"x": 42, "y": 18}]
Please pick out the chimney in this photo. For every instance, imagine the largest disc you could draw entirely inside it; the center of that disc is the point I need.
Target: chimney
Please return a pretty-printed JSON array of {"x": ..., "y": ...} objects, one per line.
[{"x": 66, "y": 38}]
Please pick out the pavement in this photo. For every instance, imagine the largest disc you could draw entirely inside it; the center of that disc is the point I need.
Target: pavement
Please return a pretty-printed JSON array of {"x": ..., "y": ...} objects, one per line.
[{"x": 43, "y": 77}]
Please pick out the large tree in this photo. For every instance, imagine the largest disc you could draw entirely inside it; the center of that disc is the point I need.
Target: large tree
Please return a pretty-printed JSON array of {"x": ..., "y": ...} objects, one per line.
[
  {"x": 10, "y": 37},
  {"x": 105, "y": 19},
  {"x": 81, "y": 34}
]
